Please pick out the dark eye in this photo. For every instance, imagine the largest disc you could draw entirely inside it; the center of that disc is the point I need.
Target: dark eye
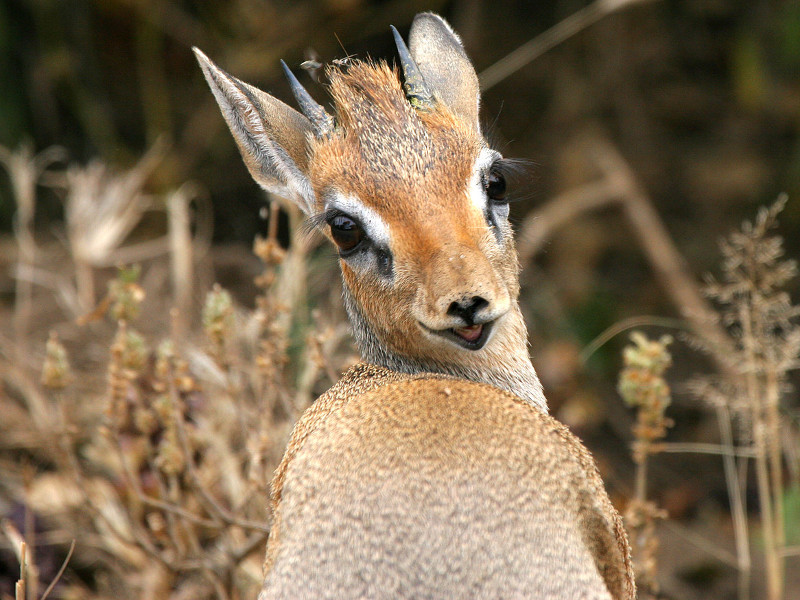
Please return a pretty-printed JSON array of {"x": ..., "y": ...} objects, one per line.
[
  {"x": 495, "y": 184},
  {"x": 346, "y": 232}
]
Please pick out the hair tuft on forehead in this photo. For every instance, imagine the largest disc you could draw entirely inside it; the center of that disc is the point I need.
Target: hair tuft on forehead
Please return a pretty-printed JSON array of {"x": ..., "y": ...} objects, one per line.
[
  {"x": 368, "y": 95},
  {"x": 380, "y": 132}
]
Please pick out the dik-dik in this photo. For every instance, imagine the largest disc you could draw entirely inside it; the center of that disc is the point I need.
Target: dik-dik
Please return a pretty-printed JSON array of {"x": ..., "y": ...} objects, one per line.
[{"x": 432, "y": 469}]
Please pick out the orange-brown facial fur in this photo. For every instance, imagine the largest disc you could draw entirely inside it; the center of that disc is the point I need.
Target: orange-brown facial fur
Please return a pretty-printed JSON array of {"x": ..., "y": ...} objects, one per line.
[{"x": 413, "y": 168}]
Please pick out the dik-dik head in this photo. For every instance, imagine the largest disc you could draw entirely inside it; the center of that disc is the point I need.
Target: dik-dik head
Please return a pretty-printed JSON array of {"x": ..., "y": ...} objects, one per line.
[{"x": 403, "y": 183}]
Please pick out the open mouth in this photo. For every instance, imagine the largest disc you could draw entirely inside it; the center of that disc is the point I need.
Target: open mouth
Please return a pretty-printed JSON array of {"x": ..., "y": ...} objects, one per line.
[{"x": 471, "y": 337}]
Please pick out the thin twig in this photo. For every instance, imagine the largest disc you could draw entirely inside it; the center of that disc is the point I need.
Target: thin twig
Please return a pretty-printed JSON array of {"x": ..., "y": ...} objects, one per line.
[
  {"x": 255, "y": 541},
  {"x": 539, "y": 225},
  {"x": 658, "y": 246},
  {"x": 697, "y": 448},
  {"x": 166, "y": 489},
  {"x": 624, "y": 325},
  {"x": 134, "y": 253},
  {"x": 702, "y": 543},
  {"x": 736, "y": 498},
  {"x": 60, "y": 572},
  {"x": 546, "y": 40}
]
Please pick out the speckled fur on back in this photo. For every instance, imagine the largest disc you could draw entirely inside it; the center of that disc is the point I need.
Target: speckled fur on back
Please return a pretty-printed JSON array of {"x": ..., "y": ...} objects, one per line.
[
  {"x": 435, "y": 471},
  {"x": 427, "y": 486}
]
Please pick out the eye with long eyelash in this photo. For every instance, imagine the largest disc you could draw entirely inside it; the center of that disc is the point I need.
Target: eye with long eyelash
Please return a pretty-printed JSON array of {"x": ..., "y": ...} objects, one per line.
[
  {"x": 494, "y": 182},
  {"x": 496, "y": 177},
  {"x": 325, "y": 217},
  {"x": 346, "y": 232},
  {"x": 319, "y": 219}
]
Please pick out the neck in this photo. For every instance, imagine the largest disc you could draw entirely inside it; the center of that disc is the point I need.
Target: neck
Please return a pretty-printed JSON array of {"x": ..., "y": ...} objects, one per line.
[{"x": 504, "y": 362}]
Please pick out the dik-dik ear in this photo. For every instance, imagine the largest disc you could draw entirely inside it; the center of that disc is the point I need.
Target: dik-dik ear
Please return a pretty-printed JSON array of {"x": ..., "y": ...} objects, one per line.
[
  {"x": 272, "y": 137},
  {"x": 447, "y": 70}
]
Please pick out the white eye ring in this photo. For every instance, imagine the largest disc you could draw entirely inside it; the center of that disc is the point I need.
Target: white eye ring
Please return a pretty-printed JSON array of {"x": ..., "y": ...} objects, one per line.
[
  {"x": 374, "y": 226},
  {"x": 477, "y": 189}
]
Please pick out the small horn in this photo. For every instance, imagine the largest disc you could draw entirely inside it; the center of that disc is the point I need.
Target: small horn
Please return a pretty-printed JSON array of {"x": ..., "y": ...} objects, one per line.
[
  {"x": 414, "y": 84},
  {"x": 316, "y": 113}
]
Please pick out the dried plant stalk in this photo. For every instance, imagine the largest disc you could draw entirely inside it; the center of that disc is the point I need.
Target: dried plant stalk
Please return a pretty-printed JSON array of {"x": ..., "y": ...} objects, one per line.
[
  {"x": 642, "y": 386},
  {"x": 25, "y": 169},
  {"x": 181, "y": 255},
  {"x": 761, "y": 323}
]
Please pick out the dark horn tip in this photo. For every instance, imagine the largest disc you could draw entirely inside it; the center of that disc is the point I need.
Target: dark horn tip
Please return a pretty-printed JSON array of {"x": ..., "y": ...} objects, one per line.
[
  {"x": 288, "y": 72},
  {"x": 414, "y": 84},
  {"x": 316, "y": 113},
  {"x": 397, "y": 37}
]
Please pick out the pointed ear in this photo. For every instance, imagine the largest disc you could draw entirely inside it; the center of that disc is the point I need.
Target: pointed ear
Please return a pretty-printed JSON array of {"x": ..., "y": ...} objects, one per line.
[
  {"x": 447, "y": 70},
  {"x": 272, "y": 137}
]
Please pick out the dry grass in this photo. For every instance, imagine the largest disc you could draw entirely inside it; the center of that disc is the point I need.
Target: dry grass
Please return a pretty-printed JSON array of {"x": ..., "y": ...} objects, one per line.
[
  {"x": 750, "y": 391},
  {"x": 161, "y": 474},
  {"x": 762, "y": 324}
]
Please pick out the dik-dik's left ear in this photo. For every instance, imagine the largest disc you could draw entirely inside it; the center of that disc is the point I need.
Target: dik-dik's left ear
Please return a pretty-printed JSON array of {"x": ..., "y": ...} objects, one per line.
[
  {"x": 272, "y": 137},
  {"x": 447, "y": 70}
]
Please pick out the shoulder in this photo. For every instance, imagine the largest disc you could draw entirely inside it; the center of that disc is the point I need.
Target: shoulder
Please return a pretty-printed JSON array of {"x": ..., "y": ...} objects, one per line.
[{"x": 358, "y": 380}]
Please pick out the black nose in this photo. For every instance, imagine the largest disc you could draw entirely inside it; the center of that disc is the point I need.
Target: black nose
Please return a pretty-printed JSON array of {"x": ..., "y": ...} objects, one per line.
[{"x": 467, "y": 308}]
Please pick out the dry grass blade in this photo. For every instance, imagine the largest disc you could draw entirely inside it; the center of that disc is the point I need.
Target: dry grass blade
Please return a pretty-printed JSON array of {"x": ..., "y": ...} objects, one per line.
[
  {"x": 16, "y": 539},
  {"x": 60, "y": 572},
  {"x": 701, "y": 448},
  {"x": 557, "y": 34},
  {"x": 21, "y": 549},
  {"x": 24, "y": 170},
  {"x": 625, "y": 325},
  {"x": 181, "y": 254},
  {"x": 22, "y": 584}
]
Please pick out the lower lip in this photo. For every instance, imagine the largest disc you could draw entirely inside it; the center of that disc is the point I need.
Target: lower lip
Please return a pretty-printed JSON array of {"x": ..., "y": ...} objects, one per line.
[
  {"x": 470, "y": 338},
  {"x": 469, "y": 334}
]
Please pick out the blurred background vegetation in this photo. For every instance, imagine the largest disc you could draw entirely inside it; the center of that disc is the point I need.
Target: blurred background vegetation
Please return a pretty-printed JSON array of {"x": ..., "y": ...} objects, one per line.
[
  {"x": 699, "y": 99},
  {"x": 701, "y": 96}
]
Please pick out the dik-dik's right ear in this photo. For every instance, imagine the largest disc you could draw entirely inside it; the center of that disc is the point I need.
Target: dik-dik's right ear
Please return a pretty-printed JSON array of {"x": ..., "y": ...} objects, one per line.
[
  {"x": 272, "y": 137},
  {"x": 444, "y": 64}
]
